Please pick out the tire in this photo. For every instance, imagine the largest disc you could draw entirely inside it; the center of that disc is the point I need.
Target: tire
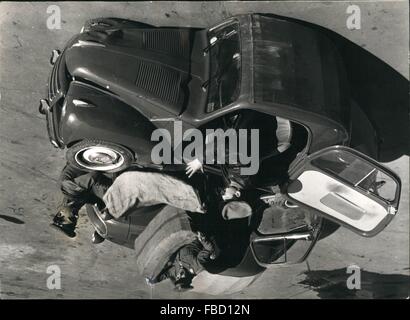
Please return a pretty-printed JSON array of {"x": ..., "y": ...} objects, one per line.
[
  {"x": 86, "y": 156},
  {"x": 164, "y": 235}
]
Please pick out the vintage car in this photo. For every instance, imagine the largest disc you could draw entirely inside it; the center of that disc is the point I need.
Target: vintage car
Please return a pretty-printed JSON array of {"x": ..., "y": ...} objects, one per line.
[{"x": 119, "y": 80}]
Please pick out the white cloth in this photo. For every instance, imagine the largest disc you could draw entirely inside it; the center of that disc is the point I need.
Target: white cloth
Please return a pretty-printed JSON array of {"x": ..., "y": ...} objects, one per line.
[{"x": 141, "y": 189}]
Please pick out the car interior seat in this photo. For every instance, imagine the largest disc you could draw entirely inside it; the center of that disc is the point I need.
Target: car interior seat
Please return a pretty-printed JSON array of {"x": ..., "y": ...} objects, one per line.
[
  {"x": 273, "y": 167},
  {"x": 284, "y": 134}
]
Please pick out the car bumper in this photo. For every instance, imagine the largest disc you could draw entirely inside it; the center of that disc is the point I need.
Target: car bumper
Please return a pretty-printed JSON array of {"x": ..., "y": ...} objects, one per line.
[
  {"x": 54, "y": 95},
  {"x": 111, "y": 229},
  {"x": 46, "y": 110},
  {"x": 97, "y": 221}
]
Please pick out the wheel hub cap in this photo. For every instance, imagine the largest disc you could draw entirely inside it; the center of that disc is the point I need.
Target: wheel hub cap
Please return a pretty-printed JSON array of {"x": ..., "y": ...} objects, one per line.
[{"x": 99, "y": 158}]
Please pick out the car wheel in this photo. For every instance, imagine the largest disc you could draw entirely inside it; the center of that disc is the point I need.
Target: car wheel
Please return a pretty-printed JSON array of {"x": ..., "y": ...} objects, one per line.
[
  {"x": 96, "y": 155},
  {"x": 164, "y": 235}
]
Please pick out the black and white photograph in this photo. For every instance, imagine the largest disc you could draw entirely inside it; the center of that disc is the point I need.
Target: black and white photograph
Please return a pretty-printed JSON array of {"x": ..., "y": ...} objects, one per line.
[{"x": 203, "y": 150}]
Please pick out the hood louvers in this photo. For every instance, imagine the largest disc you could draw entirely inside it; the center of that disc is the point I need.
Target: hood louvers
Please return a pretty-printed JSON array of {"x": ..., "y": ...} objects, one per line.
[
  {"x": 160, "y": 81},
  {"x": 173, "y": 42}
]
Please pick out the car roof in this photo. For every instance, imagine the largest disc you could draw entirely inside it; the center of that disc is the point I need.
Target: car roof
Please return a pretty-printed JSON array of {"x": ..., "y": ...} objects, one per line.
[{"x": 297, "y": 66}]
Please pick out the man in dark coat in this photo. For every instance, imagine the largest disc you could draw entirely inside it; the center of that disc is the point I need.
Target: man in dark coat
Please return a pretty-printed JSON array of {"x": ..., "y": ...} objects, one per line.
[
  {"x": 188, "y": 262},
  {"x": 78, "y": 188}
]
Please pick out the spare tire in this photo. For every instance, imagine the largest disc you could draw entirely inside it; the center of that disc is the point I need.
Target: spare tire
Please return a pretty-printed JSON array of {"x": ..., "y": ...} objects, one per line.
[{"x": 163, "y": 236}]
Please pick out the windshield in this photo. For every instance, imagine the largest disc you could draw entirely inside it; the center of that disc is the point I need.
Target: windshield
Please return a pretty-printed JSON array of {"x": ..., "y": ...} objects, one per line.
[{"x": 225, "y": 66}]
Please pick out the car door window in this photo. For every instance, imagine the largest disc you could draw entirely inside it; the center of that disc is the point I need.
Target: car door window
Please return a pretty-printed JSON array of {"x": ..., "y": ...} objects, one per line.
[
  {"x": 225, "y": 66},
  {"x": 358, "y": 173}
]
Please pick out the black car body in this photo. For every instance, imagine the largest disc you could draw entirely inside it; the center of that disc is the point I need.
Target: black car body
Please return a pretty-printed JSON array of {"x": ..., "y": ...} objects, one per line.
[
  {"x": 144, "y": 76},
  {"x": 118, "y": 80}
]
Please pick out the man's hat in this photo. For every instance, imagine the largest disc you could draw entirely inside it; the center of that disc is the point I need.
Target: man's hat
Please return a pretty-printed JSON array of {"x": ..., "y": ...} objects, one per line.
[{"x": 236, "y": 210}]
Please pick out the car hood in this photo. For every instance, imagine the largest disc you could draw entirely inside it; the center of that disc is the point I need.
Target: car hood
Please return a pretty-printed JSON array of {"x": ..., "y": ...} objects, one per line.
[{"x": 153, "y": 64}]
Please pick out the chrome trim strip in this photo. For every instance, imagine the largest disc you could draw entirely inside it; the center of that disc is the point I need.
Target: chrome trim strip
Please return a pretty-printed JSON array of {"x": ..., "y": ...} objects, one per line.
[{"x": 296, "y": 236}]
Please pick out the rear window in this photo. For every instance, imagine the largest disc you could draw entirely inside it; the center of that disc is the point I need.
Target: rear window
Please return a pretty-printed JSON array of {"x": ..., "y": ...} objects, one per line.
[{"x": 297, "y": 66}]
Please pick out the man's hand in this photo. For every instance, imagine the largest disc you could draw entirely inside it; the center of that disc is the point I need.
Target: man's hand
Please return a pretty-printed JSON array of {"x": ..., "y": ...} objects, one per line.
[
  {"x": 231, "y": 193},
  {"x": 193, "y": 167},
  {"x": 208, "y": 246}
]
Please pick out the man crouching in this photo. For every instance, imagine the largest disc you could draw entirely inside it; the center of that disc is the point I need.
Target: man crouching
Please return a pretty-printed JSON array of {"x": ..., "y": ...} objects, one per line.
[
  {"x": 78, "y": 188},
  {"x": 188, "y": 262}
]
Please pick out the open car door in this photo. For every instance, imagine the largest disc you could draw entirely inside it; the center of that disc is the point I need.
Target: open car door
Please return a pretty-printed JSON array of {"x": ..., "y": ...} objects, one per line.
[{"x": 347, "y": 187}]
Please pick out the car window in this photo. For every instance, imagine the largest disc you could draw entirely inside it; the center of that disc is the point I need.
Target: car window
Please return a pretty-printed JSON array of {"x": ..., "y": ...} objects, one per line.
[
  {"x": 225, "y": 66},
  {"x": 359, "y": 173}
]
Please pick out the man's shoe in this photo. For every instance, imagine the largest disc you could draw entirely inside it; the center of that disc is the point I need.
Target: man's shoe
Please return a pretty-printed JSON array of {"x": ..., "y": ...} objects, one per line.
[{"x": 66, "y": 220}]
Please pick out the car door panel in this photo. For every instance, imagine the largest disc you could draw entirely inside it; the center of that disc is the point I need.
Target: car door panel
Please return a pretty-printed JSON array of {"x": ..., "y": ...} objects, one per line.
[
  {"x": 338, "y": 201},
  {"x": 347, "y": 187}
]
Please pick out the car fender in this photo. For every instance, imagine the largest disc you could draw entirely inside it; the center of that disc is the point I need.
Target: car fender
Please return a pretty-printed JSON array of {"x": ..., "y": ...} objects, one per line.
[
  {"x": 112, "y": 24},
  {"x": 92, "y": 113}
]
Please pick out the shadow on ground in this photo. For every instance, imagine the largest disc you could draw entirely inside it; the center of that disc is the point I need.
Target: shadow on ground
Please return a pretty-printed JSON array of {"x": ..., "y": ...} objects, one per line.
[
  {"x": 381, "y": 92},
  {"x": 11, "y": 219},
  {"x": 331, "y": 284}
]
